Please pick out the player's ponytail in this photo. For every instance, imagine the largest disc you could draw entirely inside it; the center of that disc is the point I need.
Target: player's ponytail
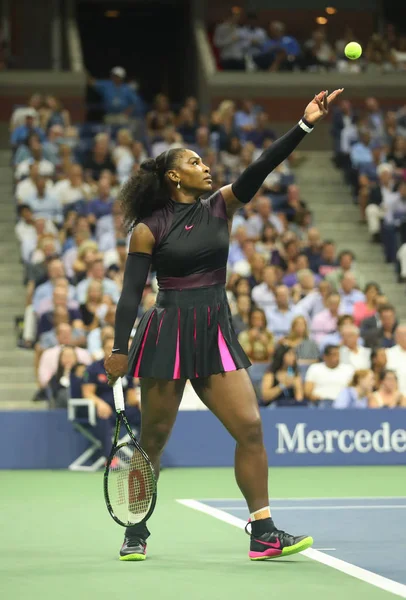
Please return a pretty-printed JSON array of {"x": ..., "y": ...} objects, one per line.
[{"x": 147, "y": 190}]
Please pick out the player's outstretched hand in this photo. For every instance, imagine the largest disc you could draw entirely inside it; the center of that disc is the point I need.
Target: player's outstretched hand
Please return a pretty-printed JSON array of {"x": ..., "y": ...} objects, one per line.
[
  {"x": 317, "y": 109},
  {"x": 116, "y": 366}
]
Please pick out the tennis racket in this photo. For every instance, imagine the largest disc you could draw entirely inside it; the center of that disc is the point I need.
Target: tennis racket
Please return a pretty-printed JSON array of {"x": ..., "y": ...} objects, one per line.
[{"x": 130, "y": 486}]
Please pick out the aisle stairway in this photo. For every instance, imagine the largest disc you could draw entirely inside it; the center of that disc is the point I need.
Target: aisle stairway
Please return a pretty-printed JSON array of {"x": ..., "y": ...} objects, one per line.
[
  {"x": 17, "y": 382},
  {"x": 337, "y": 218}
]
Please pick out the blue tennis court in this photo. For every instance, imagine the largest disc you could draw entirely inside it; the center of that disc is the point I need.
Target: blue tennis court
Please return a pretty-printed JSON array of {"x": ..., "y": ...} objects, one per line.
[{"x": 369, "y": 533}]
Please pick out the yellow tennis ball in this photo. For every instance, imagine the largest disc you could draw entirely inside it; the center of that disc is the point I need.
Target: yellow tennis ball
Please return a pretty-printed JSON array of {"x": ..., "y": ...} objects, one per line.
[{"x": 353, "y": 50}]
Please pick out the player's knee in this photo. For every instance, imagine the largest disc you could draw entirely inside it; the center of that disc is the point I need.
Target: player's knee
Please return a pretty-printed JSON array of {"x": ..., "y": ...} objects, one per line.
[
  {"x": 251, "y": 434},
  {"x": 156, "y": 437}
]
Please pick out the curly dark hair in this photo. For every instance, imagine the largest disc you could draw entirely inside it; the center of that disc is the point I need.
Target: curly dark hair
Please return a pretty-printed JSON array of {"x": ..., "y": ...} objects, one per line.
[{"x": 147, "y": 190}]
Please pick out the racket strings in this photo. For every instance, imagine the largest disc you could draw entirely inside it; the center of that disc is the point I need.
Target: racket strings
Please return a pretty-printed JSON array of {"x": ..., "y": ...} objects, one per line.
[{"x": 131, "y": 484}]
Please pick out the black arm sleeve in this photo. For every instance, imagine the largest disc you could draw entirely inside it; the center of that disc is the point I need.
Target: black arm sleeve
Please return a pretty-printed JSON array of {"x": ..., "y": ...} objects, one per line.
[
  {"x": 249, "y": 182},
  {"x": 135, "y": 276}
]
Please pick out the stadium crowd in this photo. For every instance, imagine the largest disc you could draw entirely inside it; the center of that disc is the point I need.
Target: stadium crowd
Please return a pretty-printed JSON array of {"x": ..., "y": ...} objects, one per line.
[
  {"x": 242, "y": 43},
  {"x": 316, "y": 333}
]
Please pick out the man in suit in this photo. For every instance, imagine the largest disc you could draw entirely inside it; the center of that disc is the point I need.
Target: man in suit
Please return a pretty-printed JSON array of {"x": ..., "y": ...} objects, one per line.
[{"x": 380, "y": 329}]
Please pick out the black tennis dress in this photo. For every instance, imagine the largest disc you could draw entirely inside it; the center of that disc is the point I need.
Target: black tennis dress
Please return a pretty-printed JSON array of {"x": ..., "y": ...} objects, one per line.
[{"x": 188, "y": 333}]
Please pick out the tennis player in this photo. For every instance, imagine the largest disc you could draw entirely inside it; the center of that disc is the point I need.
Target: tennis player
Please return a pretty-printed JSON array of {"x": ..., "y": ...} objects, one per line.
[{"x": 188, "y": 333}]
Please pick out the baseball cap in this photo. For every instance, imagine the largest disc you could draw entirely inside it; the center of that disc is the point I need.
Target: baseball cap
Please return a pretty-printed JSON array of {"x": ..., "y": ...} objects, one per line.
[{"x": 119, "y": 72}]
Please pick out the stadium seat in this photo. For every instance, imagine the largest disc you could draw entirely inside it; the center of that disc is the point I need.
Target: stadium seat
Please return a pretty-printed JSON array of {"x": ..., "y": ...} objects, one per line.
[{"x": 83, "y": 425}]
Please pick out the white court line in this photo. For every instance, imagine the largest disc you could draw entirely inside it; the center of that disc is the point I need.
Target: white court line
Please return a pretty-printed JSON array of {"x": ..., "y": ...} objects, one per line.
[
  {"x": 332, "y": 507},
  {"x": 331, "y": 561},
  {"x": 275, "y": 498}
]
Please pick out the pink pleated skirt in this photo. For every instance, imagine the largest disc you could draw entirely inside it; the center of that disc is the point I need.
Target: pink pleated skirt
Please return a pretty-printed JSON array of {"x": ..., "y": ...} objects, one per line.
[{"x": 187, "y": 334}]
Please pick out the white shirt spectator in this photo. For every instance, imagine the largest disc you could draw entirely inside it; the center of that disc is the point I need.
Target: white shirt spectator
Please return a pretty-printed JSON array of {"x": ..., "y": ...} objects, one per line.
[
  {"x": 396, "y": 361},
  {"x": 26, "y": 188},
  {"x": 263, "y": 296},
  {"x": 67, "y": 193},
  {"x": 253, "y": 38},
  {"x": 349, "y": 135},
  {"x": 20, "y": 115},
  {"x": 328, "y": 383},
  {"x": 361, "y": 359},
  {"x": 46, "y": 168},
  {"x": 230, "y": 41}
]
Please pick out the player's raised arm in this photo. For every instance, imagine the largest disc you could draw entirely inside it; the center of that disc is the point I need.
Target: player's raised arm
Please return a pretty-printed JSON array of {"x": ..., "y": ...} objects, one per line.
[{"x": 249, "y": 182}]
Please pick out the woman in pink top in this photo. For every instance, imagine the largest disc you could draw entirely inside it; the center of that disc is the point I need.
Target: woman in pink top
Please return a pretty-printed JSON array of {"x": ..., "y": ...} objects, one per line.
[{"x": 367, "y": 308}]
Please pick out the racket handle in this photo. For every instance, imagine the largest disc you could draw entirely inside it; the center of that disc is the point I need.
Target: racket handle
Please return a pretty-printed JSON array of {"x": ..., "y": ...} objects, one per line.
[{"x": 118, "y": 395}]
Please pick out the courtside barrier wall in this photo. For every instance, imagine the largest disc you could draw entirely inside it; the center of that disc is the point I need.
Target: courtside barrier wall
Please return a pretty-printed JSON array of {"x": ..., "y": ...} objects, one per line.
[{"x": 293, "y": 437}]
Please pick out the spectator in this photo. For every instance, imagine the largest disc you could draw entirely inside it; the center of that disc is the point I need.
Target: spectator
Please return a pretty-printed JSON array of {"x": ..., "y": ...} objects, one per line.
[
  {"x": 48, "y": 364},
  {"x": 170, "y": 139},
  {"x": 328, "y": 261},
  {"x": 257, "y": 341},
  {"x": 325, "y": 322},
  {"x": 160, "y": 117},
  {"x": 67, "y": 381},
  {"x": 318, "y": 52},
  {"x": 27, "y": 187},
  {"x": 53, "y": 114},
  {"x": 96, "y": 272},
  {"x": 124, "y": 142},
  {"x": 351, "y": 351},
  {"x": 21, "y": 133},
  {"x": 20, "y": 113},
  {"x": 346, "y": 261},
  {"x": 94, "y": 309},
  {"x": 306, "y": 350},
  {"x": 359, "y": 393},
  {"x": 324, "y": 381},
  {"x": 230, "y": 40},
  {"x": 44, "y": 204},
  {"x": 280, "y": 52},
  {"x": 263, "y": 294},
  {"x": 387, "y": 395},
  {"x": 96, "y": 388},
  {"x": 96, "y": 336},
  {"x": 253, "y": 34},
  {"x": 280, "y": 317},
  {"x": 383, "y": 335},
  {"x": 314, "y": 248},
  {"x": 120, "y": 101},
  {"x": 350, "y": 295},
  {"x": 262, "y": 131},
  {"x": 55, "y": 272},
  {"x": 378, "y": 364},
  {"x": 378, "y": 198},
  {"x": 263, "y": 216},
  {"x": 368, "y": 307},
  {"x": 335, "y": 338},
  {"x": 103, "y": 204},
  {"x": 397, "y": 357},
  {"x": 45, "y": 167},
  {"x": 73, "y": 189},
  {"x": 52, "y": 144},
  {"x": 129, "y": 163},
  {"x": 99, "y": 159},
  {"x": 241, "y": 318},
  {"x": 283, "y": 385},
  {"x": 314, "y": 302}
]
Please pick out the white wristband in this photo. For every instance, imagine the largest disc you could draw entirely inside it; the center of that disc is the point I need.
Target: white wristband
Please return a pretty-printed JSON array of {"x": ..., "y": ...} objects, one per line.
[{"x": 305, "y": 127}]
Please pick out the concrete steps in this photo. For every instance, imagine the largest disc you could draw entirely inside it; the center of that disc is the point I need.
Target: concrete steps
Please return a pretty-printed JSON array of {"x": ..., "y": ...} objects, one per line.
[
  {"x": 337, "y": 218},
  {"x": 17, "y": 381}
]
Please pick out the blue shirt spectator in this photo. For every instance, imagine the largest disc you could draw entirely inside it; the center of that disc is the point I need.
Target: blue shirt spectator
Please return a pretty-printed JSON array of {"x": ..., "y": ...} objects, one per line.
[
  {"x": 118, "y": 97},
  {"x": 21, "y": 133},
  {"x": 361, "y": 151}
]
